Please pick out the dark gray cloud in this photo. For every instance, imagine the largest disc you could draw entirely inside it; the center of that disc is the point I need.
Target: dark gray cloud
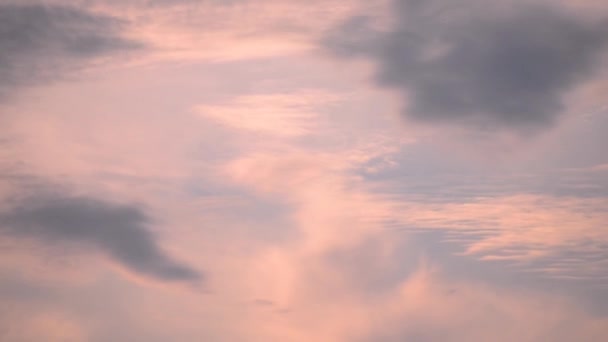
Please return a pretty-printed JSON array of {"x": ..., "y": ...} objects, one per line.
[
  {"x": 40, "y": 43},
  {"x": 120, "y": 231},
  {"x": 470, "y": 63}
]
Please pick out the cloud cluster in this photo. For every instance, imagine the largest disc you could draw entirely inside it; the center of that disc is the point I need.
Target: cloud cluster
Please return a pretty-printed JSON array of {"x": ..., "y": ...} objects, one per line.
[
  {"x": 40, "y": 43},
  {"x": 487, "y": 66}
]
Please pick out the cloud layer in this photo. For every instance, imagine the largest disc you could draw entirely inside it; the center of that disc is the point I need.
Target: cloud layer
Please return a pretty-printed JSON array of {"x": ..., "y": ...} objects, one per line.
[
  {"x": 311, "y": 213},
  {"x": 467, "y": 63}
]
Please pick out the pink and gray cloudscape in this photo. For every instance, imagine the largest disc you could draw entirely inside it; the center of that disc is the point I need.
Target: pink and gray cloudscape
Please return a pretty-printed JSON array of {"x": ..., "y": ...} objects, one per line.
[{"x": 322, "y": 170}]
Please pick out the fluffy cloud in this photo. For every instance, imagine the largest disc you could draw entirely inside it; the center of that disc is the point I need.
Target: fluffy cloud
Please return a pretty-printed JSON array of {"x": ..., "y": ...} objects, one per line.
[{"x": 466, "y": 63}]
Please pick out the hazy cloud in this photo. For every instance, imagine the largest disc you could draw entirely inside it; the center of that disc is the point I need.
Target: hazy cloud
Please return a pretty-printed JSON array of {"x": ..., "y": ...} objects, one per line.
[
  {"x": 120, "y": 231},
  {"x": 193, "y": 2},
  {"x": 463, "y": 62},
  {"x": 38, "y": 43}
]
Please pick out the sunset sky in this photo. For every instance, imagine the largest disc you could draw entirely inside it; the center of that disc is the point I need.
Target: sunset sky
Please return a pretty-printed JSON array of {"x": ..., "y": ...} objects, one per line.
[{"x": 321, "y": 170}]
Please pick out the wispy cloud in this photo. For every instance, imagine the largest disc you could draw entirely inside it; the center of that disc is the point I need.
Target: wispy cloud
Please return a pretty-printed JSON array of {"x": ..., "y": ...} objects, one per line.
[
  {"x": 284, "y": 115},
  {"x": 40, "y": 43}
]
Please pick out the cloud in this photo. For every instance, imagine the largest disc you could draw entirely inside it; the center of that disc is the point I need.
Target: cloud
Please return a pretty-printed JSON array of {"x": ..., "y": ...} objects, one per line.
[
  {"x": 429, "y": 307},
  {"x": 193, "y": 2},
  {"x": 39, "y": 43},
  {"x": 282, "y": 115},
  {"x": 120, "y": 231},
  {"x": 465, "y": 63}
]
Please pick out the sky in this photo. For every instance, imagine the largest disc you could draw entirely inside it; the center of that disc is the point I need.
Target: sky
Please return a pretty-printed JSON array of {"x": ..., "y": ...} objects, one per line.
[{"x": 276, "y": 170}]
